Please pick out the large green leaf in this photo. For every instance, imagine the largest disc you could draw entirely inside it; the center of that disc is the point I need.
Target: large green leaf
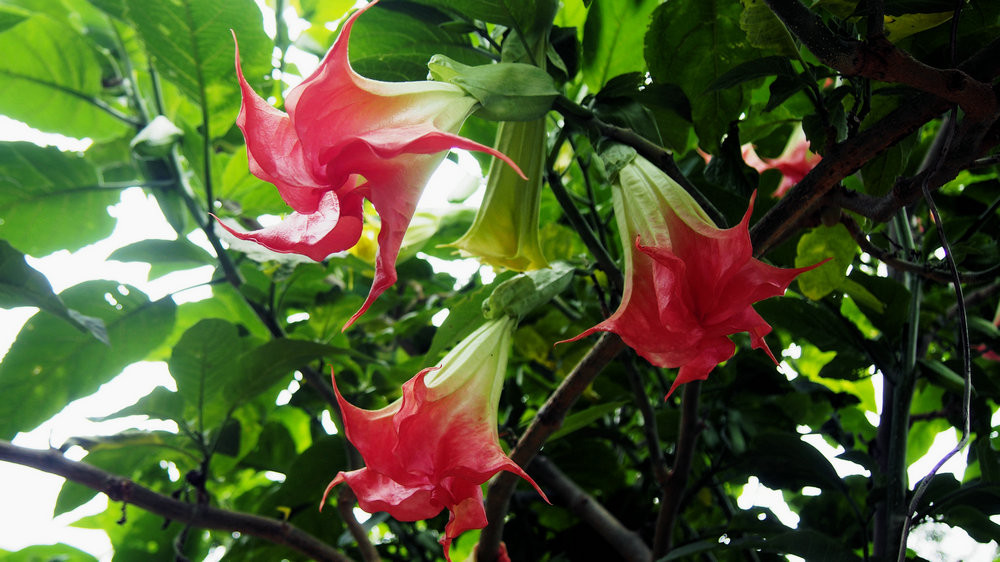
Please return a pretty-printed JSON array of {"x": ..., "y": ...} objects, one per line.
[
  {"x": 693, "y": 44},
  {"x": 38, "y": 188},
  {"x": 612, "y": 37},
  {"x": 50, "y": 78},
  {"x": 51, "y": 363},
  {"x": 191, "y": 44},
  {"x": 784, "y": 461},
  {"x": 23, "y": 285},
  {"x": 11, "y": 16},
  {"x": 264, "y": 366},
  {"x": 525, "y": 16},
  {"x": 164, "y": 256},
  {"x": 395, "y": 46},
  {"x": 824, "y": 243},
  {"x": 765, "y": 30},
  {"x": 47, "y": 553},
  {"x": 245, "y": 192},
  {"x": 202, "y": 364}
]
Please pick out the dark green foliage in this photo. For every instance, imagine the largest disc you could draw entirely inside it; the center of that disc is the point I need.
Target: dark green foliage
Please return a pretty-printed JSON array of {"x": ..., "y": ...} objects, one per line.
[{"x": 875, "y": 330}]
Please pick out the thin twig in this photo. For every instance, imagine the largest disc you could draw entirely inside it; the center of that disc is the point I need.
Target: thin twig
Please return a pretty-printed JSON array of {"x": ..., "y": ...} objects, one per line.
[
  {"x": 118, "y": 488},
  {"x": 923, "y": 270}
]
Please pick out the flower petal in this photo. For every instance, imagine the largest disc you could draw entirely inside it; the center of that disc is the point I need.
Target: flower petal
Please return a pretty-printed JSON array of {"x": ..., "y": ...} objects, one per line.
[
  {"x": 273, "y": 149},
  {"x": 334, "y": 227}
]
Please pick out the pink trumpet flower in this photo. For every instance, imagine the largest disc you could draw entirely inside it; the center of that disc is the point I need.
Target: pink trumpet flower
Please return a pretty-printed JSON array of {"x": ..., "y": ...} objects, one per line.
[
  {"x": 688, "y": 283},
  {"x": 346, "y": 138},
  {"x": 432, "y": 448}
]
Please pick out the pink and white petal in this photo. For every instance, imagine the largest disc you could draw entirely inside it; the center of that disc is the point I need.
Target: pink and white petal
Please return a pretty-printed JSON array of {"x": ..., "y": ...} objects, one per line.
[
  {"x": 316, "y": 235},
  {"x": 273, "y": 149},
  {"x": 377, "y": 492}
]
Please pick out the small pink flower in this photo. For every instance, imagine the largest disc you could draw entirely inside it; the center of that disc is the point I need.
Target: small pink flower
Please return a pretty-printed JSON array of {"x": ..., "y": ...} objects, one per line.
[
  {"x": 346, "y": 138},
  {"x": 433, "y": 448},
  {"x": 688, "y": 283},
  {"x": 794, "y": 163}
]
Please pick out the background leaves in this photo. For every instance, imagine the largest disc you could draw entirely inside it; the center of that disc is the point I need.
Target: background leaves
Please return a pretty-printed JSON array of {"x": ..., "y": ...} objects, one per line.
[{"x": 251, "y": 425}]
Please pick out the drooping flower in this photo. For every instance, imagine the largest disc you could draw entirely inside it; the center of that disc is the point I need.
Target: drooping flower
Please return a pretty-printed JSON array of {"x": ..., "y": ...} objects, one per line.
[
  {"x": 433, "y": 448},
  {"x": 505, "y": 232},
  {"x": 794, "y": 162},
  {"x": 688, "y": 284},
  {"x": 344, "y": 138}
]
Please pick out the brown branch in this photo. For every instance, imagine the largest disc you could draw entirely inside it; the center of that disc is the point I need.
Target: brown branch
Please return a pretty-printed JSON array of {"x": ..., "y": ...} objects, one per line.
[
  {"x": 676, "y": 484},
  {"x": 118, "y": 488},
  {"x": 626, "y": 542},
  {"x": 959, "y": 154},
  {"x": 804, "y": 201},
  {"x": 546, "y": 422},
  {"x": 879, "y": 59}
]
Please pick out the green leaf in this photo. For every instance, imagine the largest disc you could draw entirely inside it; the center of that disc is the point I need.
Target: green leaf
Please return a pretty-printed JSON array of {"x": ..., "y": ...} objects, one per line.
[
  {"x": 811, "y": 545},
  {"x": 752, "y": 70},
  {"x": 266, "y": 365},
  {"x": 942, "y": 375},
  {"x": 893, "y": 299},
  {"x": 191, "y": 44},
  {"x": 529, "y": 19},
  {"x": 693, "y": 44},
  {"x": 38, "y": 187},
  {"x": 764, "y": 30},
  {"x": 396, "y": 46},
  {"x": 819, "y": 244},
  {"x": 23, "y": 285},
  {"x": 813, "y": 322},
  {"x": 902, "y": 26},
  {"x": 465, "y": 315},
  {"x": 50, "y": 78},
  {"x": 202, "y": 364},
  {"x": 246, "y": 193},
  {"x": 51, "y": 363},
  {"x": 520, "y": 295},
  {"x": 784, "y": 461},
  {"x": 612, "y": 36},
  {"x": 11, "y": 16},
  {"x": 880, "y": 173},
  {"x": 584, "y": 418},
  {"x": 47, "y": 553},
  {"x": 506, "y": 91},
  {"x": 164, "y": 256}
]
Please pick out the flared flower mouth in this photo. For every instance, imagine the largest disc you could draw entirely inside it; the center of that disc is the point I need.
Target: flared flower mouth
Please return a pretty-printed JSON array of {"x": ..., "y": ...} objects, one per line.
[
  {"x": 435, "y": 446},
  {"x": 689, "y": 285},
  {"x": 338, "y": 127}
]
